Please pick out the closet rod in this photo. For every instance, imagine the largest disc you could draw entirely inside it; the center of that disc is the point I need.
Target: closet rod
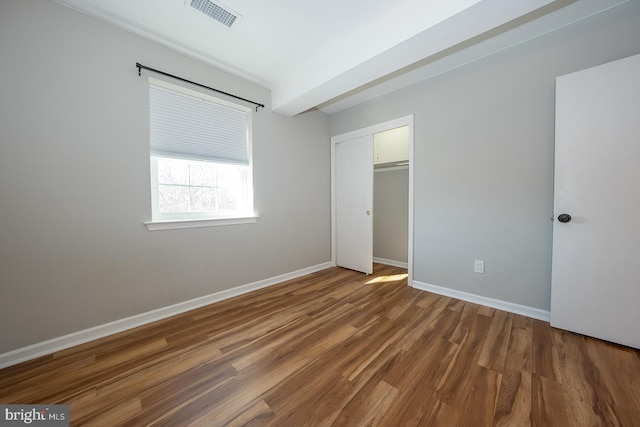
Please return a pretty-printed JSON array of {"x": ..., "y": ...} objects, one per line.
[{"x": 140, "y": 67}]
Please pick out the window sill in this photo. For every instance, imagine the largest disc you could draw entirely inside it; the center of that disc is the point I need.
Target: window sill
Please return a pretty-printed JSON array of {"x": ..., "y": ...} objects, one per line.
[{"x": 194, "y": 223}]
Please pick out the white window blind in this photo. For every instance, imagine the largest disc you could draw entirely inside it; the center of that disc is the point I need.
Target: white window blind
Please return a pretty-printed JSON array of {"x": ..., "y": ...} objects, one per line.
[{"x": 193, "y": 128}]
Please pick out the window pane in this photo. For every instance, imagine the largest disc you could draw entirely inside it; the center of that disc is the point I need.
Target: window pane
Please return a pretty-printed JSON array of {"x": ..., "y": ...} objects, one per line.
[
  {"x": 228, "y": 175},
  {"x": 173, "y": 171},
  {"x": 173, "y": 198},
  {"x": 194, "y": 187},
  {"x": 227, "y": 200},
  {"x": 203, "y": 173},
  {"x": 203, "y": 199}
]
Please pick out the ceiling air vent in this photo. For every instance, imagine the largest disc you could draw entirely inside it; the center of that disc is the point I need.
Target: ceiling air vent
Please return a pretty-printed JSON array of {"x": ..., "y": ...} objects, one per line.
[{"x": 216, "y": 11}]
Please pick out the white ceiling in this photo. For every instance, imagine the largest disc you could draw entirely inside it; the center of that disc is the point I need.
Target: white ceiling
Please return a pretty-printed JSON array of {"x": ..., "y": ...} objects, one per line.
[{"x": 334, "y": 54}]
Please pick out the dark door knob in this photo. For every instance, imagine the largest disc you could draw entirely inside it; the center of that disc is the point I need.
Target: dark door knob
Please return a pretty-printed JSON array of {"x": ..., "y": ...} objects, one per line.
[{"x": 564, "y": 218}]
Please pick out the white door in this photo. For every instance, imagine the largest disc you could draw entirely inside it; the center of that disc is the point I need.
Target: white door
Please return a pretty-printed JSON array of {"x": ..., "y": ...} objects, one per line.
[
  {"x": 596, "y": 254},
  {"x": 354, "y": 204}
]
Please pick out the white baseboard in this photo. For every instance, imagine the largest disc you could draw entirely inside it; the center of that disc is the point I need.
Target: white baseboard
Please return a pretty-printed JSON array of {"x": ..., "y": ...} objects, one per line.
[
  {"x": 56, "y": 344},
  {"x": 511, "y": 307},
  {"x": 390, "y": 262}
]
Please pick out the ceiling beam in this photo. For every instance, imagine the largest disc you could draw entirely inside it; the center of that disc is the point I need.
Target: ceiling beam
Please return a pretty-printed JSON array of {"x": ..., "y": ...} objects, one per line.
[{"x": 369, "y": 56}]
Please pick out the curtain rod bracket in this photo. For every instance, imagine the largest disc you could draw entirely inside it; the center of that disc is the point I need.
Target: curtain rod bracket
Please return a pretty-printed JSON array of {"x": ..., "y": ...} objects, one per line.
[{"x": 140, "y": 67}]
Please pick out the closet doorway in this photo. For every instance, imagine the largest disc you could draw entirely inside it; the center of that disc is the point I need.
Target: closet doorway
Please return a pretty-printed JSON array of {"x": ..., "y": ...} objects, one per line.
[
  {"x": 361, "y": 152},
  {"x": 391, "y": 196}
]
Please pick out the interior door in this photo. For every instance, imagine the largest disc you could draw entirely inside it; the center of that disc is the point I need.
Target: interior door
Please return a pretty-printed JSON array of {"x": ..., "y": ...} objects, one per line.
[
  {"x": 596, "y": 231},
  {"x": 354, "y": 204}
]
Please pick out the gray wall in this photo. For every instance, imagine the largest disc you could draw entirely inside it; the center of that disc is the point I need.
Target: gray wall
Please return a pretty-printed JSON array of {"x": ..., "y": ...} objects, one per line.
[
  {"x": 484, "y": 157},
  {"x": 391, "y": 214},
  {"x": 74, "y": 182}
]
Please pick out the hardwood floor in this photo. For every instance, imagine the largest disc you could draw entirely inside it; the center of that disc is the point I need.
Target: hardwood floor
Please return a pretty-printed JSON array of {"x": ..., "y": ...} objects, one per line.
[{"x": 337, "y": 348}]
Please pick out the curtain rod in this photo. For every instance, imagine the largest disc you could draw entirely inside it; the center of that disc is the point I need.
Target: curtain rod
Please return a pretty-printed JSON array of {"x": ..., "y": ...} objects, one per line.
[{"x": 140, "y": 67}]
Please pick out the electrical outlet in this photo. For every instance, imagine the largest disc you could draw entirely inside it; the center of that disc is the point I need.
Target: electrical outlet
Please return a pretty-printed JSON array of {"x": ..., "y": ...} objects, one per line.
[{"x": 478, "y": 266}]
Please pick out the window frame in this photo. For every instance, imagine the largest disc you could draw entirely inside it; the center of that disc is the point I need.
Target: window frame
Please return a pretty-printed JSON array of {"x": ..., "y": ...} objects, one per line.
[{"x": 166, "y": 221}]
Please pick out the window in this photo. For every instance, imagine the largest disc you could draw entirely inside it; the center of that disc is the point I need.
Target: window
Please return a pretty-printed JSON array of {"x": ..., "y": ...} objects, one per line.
[{"x": 200, "y": 152}]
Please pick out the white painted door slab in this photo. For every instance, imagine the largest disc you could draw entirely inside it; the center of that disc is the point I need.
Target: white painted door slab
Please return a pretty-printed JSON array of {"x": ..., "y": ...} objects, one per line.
[
  {"x": 354, "y": 204},
  {"x": 596, "y": 255}
]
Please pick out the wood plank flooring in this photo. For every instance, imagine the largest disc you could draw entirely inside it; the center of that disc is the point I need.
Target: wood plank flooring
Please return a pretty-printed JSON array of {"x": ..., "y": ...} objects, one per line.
[{"x": 338, "y": 348}]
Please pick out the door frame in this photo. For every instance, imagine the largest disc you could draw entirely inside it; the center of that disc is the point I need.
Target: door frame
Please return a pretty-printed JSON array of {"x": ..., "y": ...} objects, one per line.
[{"x": 370, "y": 130}]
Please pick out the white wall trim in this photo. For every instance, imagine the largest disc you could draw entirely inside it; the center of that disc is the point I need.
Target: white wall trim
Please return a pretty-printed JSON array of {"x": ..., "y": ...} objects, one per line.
[
  {"x": 197, "y": 222},
  {"x": 391, "y": 169},
  {"x": 60, "y": 343},
  {"x": 391, "y": 262},
  {"x": 511, "y": 307}
]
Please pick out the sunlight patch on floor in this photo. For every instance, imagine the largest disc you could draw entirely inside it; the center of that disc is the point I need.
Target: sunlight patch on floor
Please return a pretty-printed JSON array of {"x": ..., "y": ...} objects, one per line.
[{"x": 391, "y": 278}]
